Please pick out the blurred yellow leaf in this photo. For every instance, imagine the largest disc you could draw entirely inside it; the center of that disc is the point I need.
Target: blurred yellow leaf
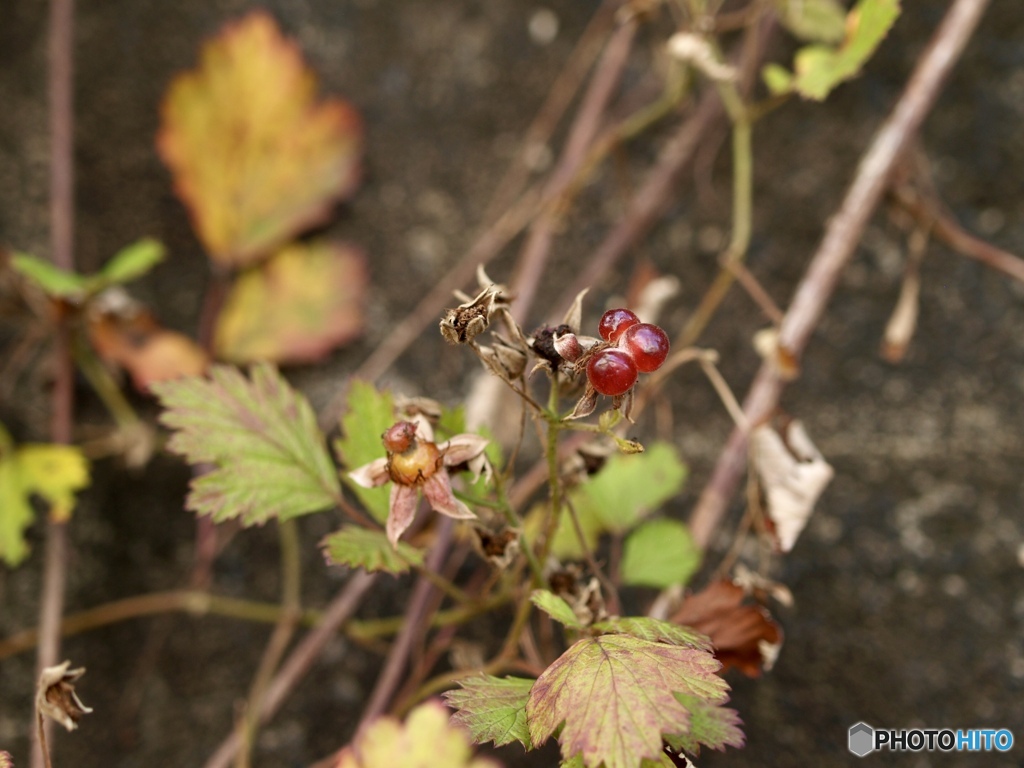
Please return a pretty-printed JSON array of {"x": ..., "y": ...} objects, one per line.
[
  {"x": 296, "y": 307},
  {"x": 255, "y": 158},
  {"x": 52, "y": 472}
]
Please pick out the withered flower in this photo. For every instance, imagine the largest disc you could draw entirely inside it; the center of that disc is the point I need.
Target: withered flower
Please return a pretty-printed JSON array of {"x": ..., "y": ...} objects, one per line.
[
  {"x": 413, "y": 463},
  {"x": 56, "y": 697}
]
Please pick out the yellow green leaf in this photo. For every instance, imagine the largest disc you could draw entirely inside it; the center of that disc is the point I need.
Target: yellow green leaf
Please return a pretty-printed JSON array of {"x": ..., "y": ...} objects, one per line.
[
  {"x": 52, "y": 472},
  {"x": 425, "y": 740},
  {"x": 296, "y": 307},
  {"x": 821, "y": 21},
  {"x": 255, "y": 157},
  {"x": 818, "y": 69},
  {"x": 55, "y": 472}
]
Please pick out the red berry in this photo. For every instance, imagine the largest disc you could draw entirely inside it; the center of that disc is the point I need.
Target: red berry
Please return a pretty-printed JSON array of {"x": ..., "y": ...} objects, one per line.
[
  {"x": 611, "y": 372},
  {"x": 647, "y": 344},
  {"x": 399, "y": 437},
  {"x": 614, "y": 322}
]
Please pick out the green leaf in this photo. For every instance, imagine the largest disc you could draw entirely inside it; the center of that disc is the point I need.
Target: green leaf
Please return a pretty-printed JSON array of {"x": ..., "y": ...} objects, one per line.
[
  {"x": 778, "y": 79},
  {"x": 370, "y": 550},
  {"x": 493, "y": 709},
  {"x": 626, "y": 489},
  {"x": 52, "y": 472},
  {"x": 655, "y": 630},
  {"x": 555, "y": 607},
  {"x": 615, "y": 695},
  {"x": 425, "y": 740},
  {"x": 629, "y": 487},
  {"x": 368, "y": 416},
  {"x": 53, "y": 280},
  {"x": 132, "y": 262},
  {"x": 261, "y": 436},
  {"x": 710, "y": 725},
  {"x": 820, "y": 68},
  {"x": 660, "y": 553},
  {"x": 819, "y": 21}
]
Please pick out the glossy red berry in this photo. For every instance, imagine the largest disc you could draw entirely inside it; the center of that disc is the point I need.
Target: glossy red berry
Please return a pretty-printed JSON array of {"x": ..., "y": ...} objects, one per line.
[
  {"x": 614, "y": 322},
  {"x": 611, "y": 372},
  {"x": 647, "y": 344}
]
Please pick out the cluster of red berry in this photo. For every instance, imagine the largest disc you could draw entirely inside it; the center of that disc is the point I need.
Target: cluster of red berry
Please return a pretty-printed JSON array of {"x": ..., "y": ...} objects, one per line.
[{"x": 638, "y": 348}]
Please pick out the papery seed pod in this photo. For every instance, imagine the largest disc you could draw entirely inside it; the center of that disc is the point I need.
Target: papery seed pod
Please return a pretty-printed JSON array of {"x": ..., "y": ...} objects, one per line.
[{"x": 468, "y": 320}]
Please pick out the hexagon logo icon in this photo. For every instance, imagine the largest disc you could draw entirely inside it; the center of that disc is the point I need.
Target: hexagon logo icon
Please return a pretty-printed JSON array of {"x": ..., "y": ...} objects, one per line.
[{"x": 862, "y": 739}]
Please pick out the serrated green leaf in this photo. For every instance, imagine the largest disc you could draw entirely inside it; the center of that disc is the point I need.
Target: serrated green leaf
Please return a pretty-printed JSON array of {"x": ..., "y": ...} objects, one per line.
[
  {"x": 710, "y": 726},
  {"x": 52, "y": 472},
  {"x": 655, "y": 630},
  {"x": 53, "y": 280},
  {"x": 370, "y": 550},
  {"x": 615, "y": 696},
  {"x": 555, "y": 607},
  {"x": 819, "y": 21},
  {"x": 818, "y": 69},
  {"x": 629, "y": 487},
  {"x": 132, "y": 262},
  {"x": 261, "y": 436},
  {"x": 425, "y": 740},
  {"x": 660, "y": 553},
  {"x": 493, "y": 709},
  {"x": 368, "y": 415}
]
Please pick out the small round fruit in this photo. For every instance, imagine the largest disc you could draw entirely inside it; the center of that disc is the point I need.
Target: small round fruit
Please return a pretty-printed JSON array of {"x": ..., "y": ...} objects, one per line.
[
  {"x": 647, "y": 344},
  {"x": 611, "y": 372},
  {"x": 399, "y": 437},
  {"x": 614, "y": 322}
]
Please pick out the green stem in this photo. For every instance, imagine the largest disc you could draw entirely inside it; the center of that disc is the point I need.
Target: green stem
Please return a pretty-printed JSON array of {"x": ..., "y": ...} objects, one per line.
[
  {"x": 742, "y": 211},
  {"x": 291, "y": 610},
  {"x": 103, "y": 384}
]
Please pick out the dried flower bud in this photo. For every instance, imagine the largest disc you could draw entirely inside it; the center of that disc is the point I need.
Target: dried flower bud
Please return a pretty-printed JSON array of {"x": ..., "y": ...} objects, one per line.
[
  {"x": 56, "y": 697},
  {"x": 468, "y": 320},
  {"x": 567, "y": 346},
  {"x": 543, "y": 344}
]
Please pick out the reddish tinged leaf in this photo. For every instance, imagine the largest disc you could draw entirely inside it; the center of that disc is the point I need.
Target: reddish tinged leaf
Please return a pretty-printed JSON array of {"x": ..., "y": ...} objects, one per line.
[
  {"x": 615, "y": 695},
  {"x": 295, "y": 308},
  {"x": 710, "y": 726},
  {"x": 255, "y": 158},
  {"x": 745, "y": 635},
  {"x": 493, "y": 709},
  {"x": 131, "y": 338}
]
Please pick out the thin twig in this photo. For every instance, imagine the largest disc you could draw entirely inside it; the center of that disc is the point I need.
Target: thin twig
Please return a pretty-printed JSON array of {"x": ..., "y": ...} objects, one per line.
[
  {"x": 301, "y": 660},
  {"x": 62, "y": 228},
  {"x": 585, "y": 126},
  {"x": 284, "y": 630},
  {"x": 390, "y": 675},
  {"x": 931, "y": 213},
  {"x": 837, "y": 246}
]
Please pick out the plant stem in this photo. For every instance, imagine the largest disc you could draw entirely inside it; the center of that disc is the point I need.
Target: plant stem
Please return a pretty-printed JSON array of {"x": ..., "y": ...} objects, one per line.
[
  {"x": 742, "y": 212},
  {"x": 291, "y": 611},
  {"x": 62, "y": 227},
  {"x": 836, "y": 248},
  {"x": 301, "y": 659},
  {"x": 390, "y": 675}
]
